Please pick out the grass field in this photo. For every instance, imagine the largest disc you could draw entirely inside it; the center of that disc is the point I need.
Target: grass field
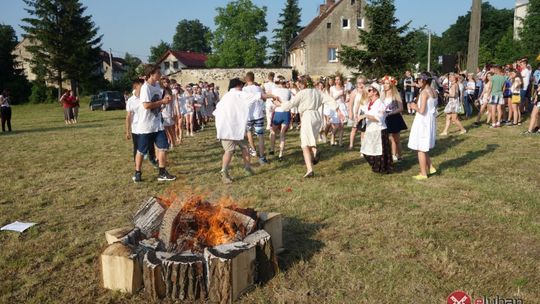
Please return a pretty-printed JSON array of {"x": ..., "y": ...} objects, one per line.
[{"x": 351, "y": 236}]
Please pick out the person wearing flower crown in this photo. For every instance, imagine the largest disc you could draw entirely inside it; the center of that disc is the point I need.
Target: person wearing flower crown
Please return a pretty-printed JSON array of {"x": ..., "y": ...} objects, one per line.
[
  {"x": 394, "y": 121},
  {"x": 375, "y": 145}
]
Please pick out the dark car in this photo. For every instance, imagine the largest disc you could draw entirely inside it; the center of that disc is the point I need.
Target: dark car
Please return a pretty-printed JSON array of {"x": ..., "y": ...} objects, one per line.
[{"x": 107, "y": 100}]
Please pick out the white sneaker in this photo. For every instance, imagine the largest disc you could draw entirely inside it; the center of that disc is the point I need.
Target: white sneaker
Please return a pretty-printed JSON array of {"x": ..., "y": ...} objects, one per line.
[
  {"x": 252, "y": 152},
  {"x": 394, "y": 158}
]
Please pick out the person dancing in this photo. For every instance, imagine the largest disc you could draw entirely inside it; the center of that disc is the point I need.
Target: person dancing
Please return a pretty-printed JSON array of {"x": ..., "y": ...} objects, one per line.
[
  {"x": 424, "y": 127},
  {"x": 394, "y": 120},
  {"x": 359, "y": 98}
]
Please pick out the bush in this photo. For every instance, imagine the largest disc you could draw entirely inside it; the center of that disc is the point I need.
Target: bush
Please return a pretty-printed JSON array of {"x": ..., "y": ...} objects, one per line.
[
  {"x": 19, "y": 89},
  {"x": 42, "y": 93}
]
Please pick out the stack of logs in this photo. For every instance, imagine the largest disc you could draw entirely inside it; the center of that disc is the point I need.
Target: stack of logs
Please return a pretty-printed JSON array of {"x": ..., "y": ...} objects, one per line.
[{"x": 143, "y": 256}]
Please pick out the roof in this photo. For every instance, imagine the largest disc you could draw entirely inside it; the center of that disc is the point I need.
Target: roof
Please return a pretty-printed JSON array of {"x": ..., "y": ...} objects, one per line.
[
  {"x": 117, "y": 61},
  {"x": 312, "y": 26},
  {"x": 188, "y": 58}
]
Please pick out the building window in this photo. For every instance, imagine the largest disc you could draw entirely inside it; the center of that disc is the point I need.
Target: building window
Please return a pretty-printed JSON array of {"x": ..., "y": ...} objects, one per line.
[
  {"x": 345, "y": 23},
  {"x": 360, "y": 23},
  {"x": 329, "y": 25},
  {"x": 332, "y": 54},
  {"x": 167, "y": 64},
  {"x": 353, "y": 2},
  {"x": 175, "y": 65}
]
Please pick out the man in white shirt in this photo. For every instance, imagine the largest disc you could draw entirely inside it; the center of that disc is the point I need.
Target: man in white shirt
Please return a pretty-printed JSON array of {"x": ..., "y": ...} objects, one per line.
[
  {"x": 269, "y": 106},
  {"x": 150, "y": 126},
  {"x": 256, "y": 117},
  {"x": 526, "y": 76},
  {"x": 231, "y": 115}
]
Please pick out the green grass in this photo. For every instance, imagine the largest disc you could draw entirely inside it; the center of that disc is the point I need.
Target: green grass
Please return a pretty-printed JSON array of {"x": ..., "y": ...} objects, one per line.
[{"x": 351, "y": 236}]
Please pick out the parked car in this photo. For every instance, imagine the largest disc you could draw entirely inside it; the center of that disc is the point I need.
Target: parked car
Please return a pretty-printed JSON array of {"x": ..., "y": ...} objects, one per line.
[{"x": 107, "y": 100}]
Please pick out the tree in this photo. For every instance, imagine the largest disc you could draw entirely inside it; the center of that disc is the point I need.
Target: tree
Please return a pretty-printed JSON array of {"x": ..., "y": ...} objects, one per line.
[
  {"x": 530, "y": 39},
  {"x": 157, "y": 51},
  {"x": 131, "y": 72},
  {"x": 385, "y": 48},
  {"x": 419, "y": 40},
  {"x": 237, "y": 41},
  {"x": 192, "y": 35},
  {"x": 495, "y": 23},
  {"x": 66, "y": 43},
  {"x": 11, "y": 77},
  {"x": 289, "y": 28}
]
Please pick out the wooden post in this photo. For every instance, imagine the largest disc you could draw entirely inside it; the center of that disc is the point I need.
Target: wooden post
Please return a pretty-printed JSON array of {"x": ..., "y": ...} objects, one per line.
[
  {"x": 121, "y": 269},
  {"x": 154, "y": 283},
  {"x": 184, "y": 276},
  {"x": 113, "y": 236},
  {"x": 231, "y": 271},
  {"x": 266, "y": 261},
  {"x": 474, "y": 36}
]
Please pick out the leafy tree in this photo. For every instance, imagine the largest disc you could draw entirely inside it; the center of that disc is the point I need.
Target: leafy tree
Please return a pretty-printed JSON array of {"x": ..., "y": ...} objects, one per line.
[
  {"x": 131, "y": 72},
  {"x": 192, "y": 35},
  {"x": 237, "y": 41},
  {"x": 495, "y": 23},
  {"x": 419, "y": 40},
  {"x": 157, "y": 51},
  {"x": 66, "y": 44},
  {"x": 385, "y": 48},
  {"x": 507, "y": 49},
  {"x": 11, "y": 77},
  {"x": 530, "y": 37},
  {"x": 289, "y": 28}
]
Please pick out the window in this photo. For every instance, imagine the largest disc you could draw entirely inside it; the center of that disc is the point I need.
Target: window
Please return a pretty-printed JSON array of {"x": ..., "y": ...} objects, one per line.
[
  {"x": 175, "y": 65},
  {"x": 360, "y": 23},
  {"x": 345, "y": 23},
  {"x": 332, "y": 54},
  {"x": 329, "y": 25},
  {"x": 167, "y": 64},
  {"x": 353, "y": 2}
]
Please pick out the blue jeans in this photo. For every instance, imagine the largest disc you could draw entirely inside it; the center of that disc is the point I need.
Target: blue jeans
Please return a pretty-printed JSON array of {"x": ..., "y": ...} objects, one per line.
[
  {"x": 468, "y": 101},
  {"x": 409, "y": 97}
]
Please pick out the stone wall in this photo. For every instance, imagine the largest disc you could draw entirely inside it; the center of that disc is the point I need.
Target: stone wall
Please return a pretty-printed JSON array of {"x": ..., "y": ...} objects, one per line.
[{"x": 221, "y": 77}]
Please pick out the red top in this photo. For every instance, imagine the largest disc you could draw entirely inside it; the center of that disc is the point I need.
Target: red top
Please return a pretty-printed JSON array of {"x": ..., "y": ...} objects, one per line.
[{"x": 68, "y": 101}]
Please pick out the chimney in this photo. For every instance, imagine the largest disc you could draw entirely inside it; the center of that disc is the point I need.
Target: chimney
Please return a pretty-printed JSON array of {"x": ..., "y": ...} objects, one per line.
[{"x": 324, "y": 7}]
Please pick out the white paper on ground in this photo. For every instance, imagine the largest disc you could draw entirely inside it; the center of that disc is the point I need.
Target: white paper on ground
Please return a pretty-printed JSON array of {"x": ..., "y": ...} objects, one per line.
[{"x": 17, "y": 226}]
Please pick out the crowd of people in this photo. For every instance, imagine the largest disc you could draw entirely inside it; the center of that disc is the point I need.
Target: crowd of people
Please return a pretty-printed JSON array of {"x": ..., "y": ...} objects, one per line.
[
  {"x": 253, "y": 117},
  {"x": 70, "y": 104}
]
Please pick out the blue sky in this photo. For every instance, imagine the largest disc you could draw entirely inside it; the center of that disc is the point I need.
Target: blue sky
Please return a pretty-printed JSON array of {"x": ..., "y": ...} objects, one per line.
[{"x": 135, "y": 25}]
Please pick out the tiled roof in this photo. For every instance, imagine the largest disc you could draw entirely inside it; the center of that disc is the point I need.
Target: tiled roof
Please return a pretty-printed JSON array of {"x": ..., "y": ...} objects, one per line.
[
  {"x": 312, "y": 26},
  {"x": 189, "y": 59}
]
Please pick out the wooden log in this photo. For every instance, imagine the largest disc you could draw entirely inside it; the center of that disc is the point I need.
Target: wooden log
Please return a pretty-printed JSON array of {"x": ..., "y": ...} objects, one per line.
[
  {"x": 272, "y": 223},
  {"x": 266, "y": 265},
  {"x": 154, "y": 281},
  {"x": 240, "y": 220},
  {"x": 169, "y": 223},
  {"x": 184, "y": 276},
  {"x": 113, "y": 236},
  {"x": 231, "y": 271},
  {"x": 121, "y": 269},
  {"x": 132, "y": 238},
  {"x": 149, "y": 216}
]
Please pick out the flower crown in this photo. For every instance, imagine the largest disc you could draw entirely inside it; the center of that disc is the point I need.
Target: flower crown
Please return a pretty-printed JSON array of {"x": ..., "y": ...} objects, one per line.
[{"x": 391, "y": 79}]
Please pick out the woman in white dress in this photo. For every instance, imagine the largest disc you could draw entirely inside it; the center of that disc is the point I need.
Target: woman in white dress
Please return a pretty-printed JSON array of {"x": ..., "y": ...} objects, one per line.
[
  {"x": 424, "y": 127},
  {"x": 308, "y": 101},
  {"x": 359, "y": 98},
  {"x": 453, "y": 105},
  {"x": 339, "y": 117},
  {"x": 376, "y": 145}
]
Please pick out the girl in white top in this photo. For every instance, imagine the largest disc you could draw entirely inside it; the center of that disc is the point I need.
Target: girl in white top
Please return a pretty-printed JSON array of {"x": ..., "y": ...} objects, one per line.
[
  {"x": 337, "y": 92},
  {"x": 359, "y": 98},
  {"x": 179, "y": 114},
  {"x": 189, "y": 108},
  {"x": 484, "y": 99},
  {"x": 424, "y": 127},
  {"x": 517, "y": 86},
  {"x": 282, "y": 118},
  {"x": 200, "y": 107}
]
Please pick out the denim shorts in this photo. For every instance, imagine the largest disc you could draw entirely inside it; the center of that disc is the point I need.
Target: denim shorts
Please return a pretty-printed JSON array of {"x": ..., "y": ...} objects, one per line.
[
  {"x": 409, "y": 97},
  {"x": 281, "y": 118},
  {"x": 496, "y": 100},
  {"x": 256, "y": 126},
  {"x": 145, "y": 141}
]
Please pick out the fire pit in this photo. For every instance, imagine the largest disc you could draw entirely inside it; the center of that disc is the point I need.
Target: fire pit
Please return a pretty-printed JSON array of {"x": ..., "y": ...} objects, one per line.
[{"x": 189, "y": 249}]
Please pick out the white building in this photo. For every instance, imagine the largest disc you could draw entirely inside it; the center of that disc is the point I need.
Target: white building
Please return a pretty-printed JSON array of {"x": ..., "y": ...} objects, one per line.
[{"x": 520, "y": 13}]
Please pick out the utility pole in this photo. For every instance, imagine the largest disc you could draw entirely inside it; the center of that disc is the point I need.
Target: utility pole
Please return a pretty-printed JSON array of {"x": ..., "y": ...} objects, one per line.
[
  {"x": 474, "y": 36},
  {"x": 429, "y": 52},
  {"x": 112, "y": 67}
]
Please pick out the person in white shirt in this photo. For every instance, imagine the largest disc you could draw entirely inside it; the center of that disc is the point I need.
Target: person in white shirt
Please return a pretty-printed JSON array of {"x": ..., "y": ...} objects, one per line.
[
  {"x": 149, "y": 124},
  {"x": 256, "y": 117},
  {"x": 526, "y": 76},
  {"x": 231, "y": 116},
  {"x": 282, "y": 118},
  {"x": 269, "y": 105}
]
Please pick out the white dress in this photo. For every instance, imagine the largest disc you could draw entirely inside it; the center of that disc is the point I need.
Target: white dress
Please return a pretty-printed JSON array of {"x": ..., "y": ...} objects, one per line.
[{"x": 424, "y": 128}]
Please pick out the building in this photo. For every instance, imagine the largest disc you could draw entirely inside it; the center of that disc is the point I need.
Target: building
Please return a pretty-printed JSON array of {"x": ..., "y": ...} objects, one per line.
[
  {"x": 315, "y": 50},
  {"x": 520, "y": 12},
  {"x": 172, "y": 62},
  {"x": 24, "y": 58},
  {"x": 118, "y": 67}
]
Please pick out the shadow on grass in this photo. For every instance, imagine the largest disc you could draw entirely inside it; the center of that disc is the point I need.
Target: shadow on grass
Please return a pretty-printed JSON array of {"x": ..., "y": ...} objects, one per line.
[
  {"x": 468, "y": 157},
  {"x": 299, "y": 242},
  {"x": 52, "y": 129}
]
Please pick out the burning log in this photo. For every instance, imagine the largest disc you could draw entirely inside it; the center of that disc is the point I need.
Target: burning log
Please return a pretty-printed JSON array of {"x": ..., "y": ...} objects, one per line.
[
  {"x": 149, "y": 216},
  {"x": 113, "y": 236},
  {"x": 169, "y": 224},
  {"x": 231, "y": 271},
  {"x": 266, "y": 261},
  {"x": 121, "y": 268},
  {"x": 271, "y": 222},
  {"x": 184, "y": 276}
]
